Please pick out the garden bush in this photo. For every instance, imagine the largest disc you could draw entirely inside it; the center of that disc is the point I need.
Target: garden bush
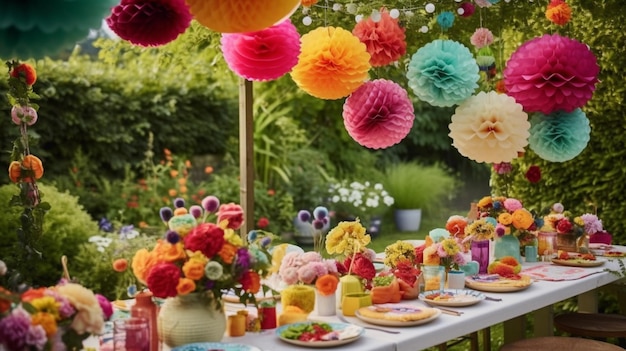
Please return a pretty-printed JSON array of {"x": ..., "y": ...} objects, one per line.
[{"x": 66, "y": 227}]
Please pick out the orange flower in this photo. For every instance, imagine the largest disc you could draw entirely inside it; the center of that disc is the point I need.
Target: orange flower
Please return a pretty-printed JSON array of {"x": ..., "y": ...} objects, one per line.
[
  {"x": 185, "y": 286},
  {"x": 251, "y": 282},
  {"x": 559, "y": 12},
  {"x": 227, "y": 253},
  {"x": 166, "y": 252},
  {"x": 172, "y": 192},
  {"x": 142, "y": 262},
  {"x": 522, "y": 219},
  {"x": 183, "y": 189},
  {"x": 308, "y": 3},
  {"x": 182, "y": 181},
  {"x": 120, "y": 265},
  {"x": 505, "y": 218},
  {"x": 327, "y": 284},
  {"x": 143, "y": 224},
  {"x": 4, "y": 304},
  {"x": 194, "y": 269},
  {"x": 25, "y": 71},
  {"x": 173, "y": 173},
  {"x": 187, "y": 164},
  {"x": 46, "y": 321},
  {"x": 15, "y": 171},
  {"x": 208, "y": 170},
  {"x": 485, "y": 202},
  {"x": 32, "y": 294}
]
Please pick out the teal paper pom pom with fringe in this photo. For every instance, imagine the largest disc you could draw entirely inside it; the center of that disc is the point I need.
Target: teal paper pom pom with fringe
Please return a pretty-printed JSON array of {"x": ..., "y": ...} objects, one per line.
[
  {"x": 560, "y": 136},
  {"x": 38, "y": 28},
  {"x": 443, "y": 73}
]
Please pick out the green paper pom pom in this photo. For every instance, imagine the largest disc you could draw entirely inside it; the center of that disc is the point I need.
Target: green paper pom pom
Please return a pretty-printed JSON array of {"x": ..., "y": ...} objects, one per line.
[
  {"x": 560, "y": 136},
  {"x": 34, "y": 29}
]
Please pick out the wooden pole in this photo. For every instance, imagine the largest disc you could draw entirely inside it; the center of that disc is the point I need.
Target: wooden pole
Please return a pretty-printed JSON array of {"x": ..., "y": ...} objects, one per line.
[{"x": 246, "y": 155}]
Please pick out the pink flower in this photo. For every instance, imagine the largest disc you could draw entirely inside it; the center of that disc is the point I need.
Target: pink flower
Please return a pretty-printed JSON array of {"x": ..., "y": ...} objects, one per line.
[
  {"x": 289, "y": 275},
  {"x": 105, "y": 305},
  {"x": 482, "y": 37},
  {"x": 592, "y": 223},
  {"x": 233, "y": 213},
  {"x": 512, "y": 204},
  {"x": 385, "y": 39},
  {"x": 311, "y": 256},
  {"x": 503, "y": 167},
  {"x": 500, "y": 230}
]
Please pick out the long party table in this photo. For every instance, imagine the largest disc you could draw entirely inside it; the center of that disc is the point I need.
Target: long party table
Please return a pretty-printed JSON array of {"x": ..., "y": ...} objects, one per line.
[{"x": 538, "y": 299}]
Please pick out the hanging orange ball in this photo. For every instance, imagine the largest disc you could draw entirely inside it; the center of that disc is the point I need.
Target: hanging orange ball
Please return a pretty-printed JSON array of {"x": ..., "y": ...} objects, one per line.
[
  {"x": 332, "y": 64},
  {"x": 241, "y": 16}
]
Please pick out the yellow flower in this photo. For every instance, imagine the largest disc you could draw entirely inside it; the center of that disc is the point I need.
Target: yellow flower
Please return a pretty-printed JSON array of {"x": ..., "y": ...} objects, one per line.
[
  {"x": 194, "y": 269},
  {"x": 88, "y": 317},
  {"x": 231, "y": 236},
  {"x": 450, "y": 246},
  {"x": 480, "y": 230},
  {"x": 505, "y": 218},
  {"x": 347, "y": 238},
  {"x": 143, "y": 261},
  {"x": 579, "y": 221},
  {"x": 485, "y": 202},
  {"x": 398, "y": 251},
  {"x": 431, "y": 257},
  {"x": 47, "y": 304}
]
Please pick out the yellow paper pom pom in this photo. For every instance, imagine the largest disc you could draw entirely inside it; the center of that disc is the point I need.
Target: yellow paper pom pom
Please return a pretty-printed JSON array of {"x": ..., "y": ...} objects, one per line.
[
  {"x": 301, "y": 296},
  {"x": 332, "y": 64},
  {"x": 239, "y": 16}
]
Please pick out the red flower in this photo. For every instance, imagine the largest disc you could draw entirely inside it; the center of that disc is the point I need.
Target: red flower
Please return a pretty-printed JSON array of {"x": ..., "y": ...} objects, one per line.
[
  {"x": 361, "y": 266},
  {"x": 262, "y": 223},
  {"x": 406, "y": 271},
  {"x": 25, "y": 71},
  {"x": 563, "y": 226},
  {"x": 207, "y": 238},
  {"x": 533, "y": 174},
  {"x": 163, "y": 279},
  {"x": 232, "y": 213},
  {"x": 419, "y": 254}
]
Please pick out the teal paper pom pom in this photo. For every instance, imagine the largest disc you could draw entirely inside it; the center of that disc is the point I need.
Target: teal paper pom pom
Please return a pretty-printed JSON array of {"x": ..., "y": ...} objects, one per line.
[
  {"x": 445, "y": 20},
  {"x": 38, "y": 28},
  {"x": 443, "y": 73},
  {"x": 560, "y": 136}
]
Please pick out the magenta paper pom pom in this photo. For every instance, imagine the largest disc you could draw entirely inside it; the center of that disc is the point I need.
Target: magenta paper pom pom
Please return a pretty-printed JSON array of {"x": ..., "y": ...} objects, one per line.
[
  {"x": 551, "y": 73},
  {"x": 263, "y": 55},
  {"x": 378, "y": 114},
  {"x": 149, "y": 22}
]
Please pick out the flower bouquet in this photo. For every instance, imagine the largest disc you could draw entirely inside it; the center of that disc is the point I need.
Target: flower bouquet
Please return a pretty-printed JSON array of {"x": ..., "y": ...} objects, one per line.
[
  {"x": 199, "y": 256},
  {"x": 53, "y": 318},
  {"x": 401, "y": 258},
  {"x": 348, "y": 241},
  {"x": 510, "y": 217},
  {"x": 571, "y": 230},
  {"x": 356, "y": 199}
]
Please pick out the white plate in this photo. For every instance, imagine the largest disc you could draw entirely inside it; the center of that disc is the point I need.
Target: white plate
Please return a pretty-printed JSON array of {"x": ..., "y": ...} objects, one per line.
[
  {"x": 494, "y": 287},
  {"x": 578, "y": 263},
  {"x": 459, "y": 297},
  {"x": 392, "y": 323},
  {"x": 322, "y": 344},
  {"x": 209, "y": 346}
]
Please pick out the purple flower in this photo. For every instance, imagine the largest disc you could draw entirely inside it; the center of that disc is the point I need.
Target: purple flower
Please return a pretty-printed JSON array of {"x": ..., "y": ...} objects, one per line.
[
  {"x": 14, "y": 329},
  {"x": 318, "y": 224},
  {"x": 179, "y": 202},
  {"x": 592, "y": 223},
  {"x": 210, "y": 203},
  {"x": 243, "y": 259},
  {"x": 304, "y": 215},
  {"x": 166, "y": 214},
  {"x": 196, "y": 211},
  {"x": 36, "y": 337},
  {"x": 500, "y": 230},
  {"x": 320, "y": 212},
  {"x": 105, "y": 225},
  {"x": 172, "y": 237}
]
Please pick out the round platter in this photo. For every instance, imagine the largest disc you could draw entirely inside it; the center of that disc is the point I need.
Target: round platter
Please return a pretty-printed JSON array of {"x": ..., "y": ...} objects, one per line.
[
  {"x": 397, "y": 323},
  {"x": 578, "y": 262},
  {"x": 358, "y": 331},
  {"x": 491, "y": 284},
  {"x": 452, "y": 297},
  {"x": 209, "y": 346}
]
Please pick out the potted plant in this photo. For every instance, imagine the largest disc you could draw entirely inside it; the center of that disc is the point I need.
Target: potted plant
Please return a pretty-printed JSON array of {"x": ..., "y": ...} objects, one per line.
[{"x": 416, "y": 188}]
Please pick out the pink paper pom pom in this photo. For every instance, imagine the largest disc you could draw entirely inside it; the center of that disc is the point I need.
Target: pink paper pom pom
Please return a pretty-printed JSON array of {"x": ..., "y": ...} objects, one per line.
[
  {"x": 378, "y": 114},
  {"x": 551, "y": 73},
  {"x": 482, "y": 37},
  {"x": 468, "y": 9},
  {"x": 263, "y": 55},
  {"x": 149, "y": 22}
]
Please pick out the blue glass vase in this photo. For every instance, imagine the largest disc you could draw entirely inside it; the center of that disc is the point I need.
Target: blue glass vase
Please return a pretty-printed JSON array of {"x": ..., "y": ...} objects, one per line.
[{"x": 507, "y": 245}]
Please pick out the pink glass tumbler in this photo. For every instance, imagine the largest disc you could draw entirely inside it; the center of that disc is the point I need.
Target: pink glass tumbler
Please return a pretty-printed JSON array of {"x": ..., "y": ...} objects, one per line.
[
  {"x": 480, "y": 254},
  {"x": 131, "y": 334}
]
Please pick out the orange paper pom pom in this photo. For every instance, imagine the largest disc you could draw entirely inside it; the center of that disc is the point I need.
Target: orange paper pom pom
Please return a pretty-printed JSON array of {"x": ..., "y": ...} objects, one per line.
[
  {"x": 308, "y": 3},
  {"x": 241, "y": 16},
  {"x": 332, "y": 64},
  {"x": 559, "y": 12},
  {"x": 385, "y": 39}
]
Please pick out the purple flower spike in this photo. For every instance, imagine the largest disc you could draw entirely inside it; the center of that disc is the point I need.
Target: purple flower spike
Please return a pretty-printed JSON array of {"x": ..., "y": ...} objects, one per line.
[
  {"x": 166, "y": 214},
  {"x": 196, "y": 211},
  {"x": 172, "y": 237},
  {"x": 265, "y": 241},
  {"x": 210, "y": 203},
  {"x": 320, "y": 212},
  {"x": 304, "y": 215},
  {"x": 179, "y": 202},
  {"x": 318, "y": 224}
]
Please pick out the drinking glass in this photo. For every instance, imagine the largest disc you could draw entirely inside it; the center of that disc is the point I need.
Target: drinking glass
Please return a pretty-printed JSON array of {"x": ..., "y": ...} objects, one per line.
[{"x": 131, "y": 334}]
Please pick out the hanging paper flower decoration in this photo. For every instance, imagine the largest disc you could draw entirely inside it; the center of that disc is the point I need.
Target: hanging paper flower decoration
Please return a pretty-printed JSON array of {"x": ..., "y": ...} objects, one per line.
[
  {"x": 466, "y": 9},
  {"x": 308, "y": 3},
  {"x": 445, "y": 20},
  {"x": 149, "y": 22},
  {"x": 560, "y": 136},
  {"x": 332, "y": 64},
  {"x": 264, "y": 55},
  {"x": 241, "y": 16},
  {"x": 559, "y": 12},
  {"x": 551, "y": 73},
  {"x": 378, "y": 114},
  {"x": 490, "y": 127},
  {"x": 385, "y": 39},
  {"x": 486, "y": 3},
  {"x": 35, "y": 29},
  {"x": 443, "y": 73},
  {"x": 482, "y": 37}
]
